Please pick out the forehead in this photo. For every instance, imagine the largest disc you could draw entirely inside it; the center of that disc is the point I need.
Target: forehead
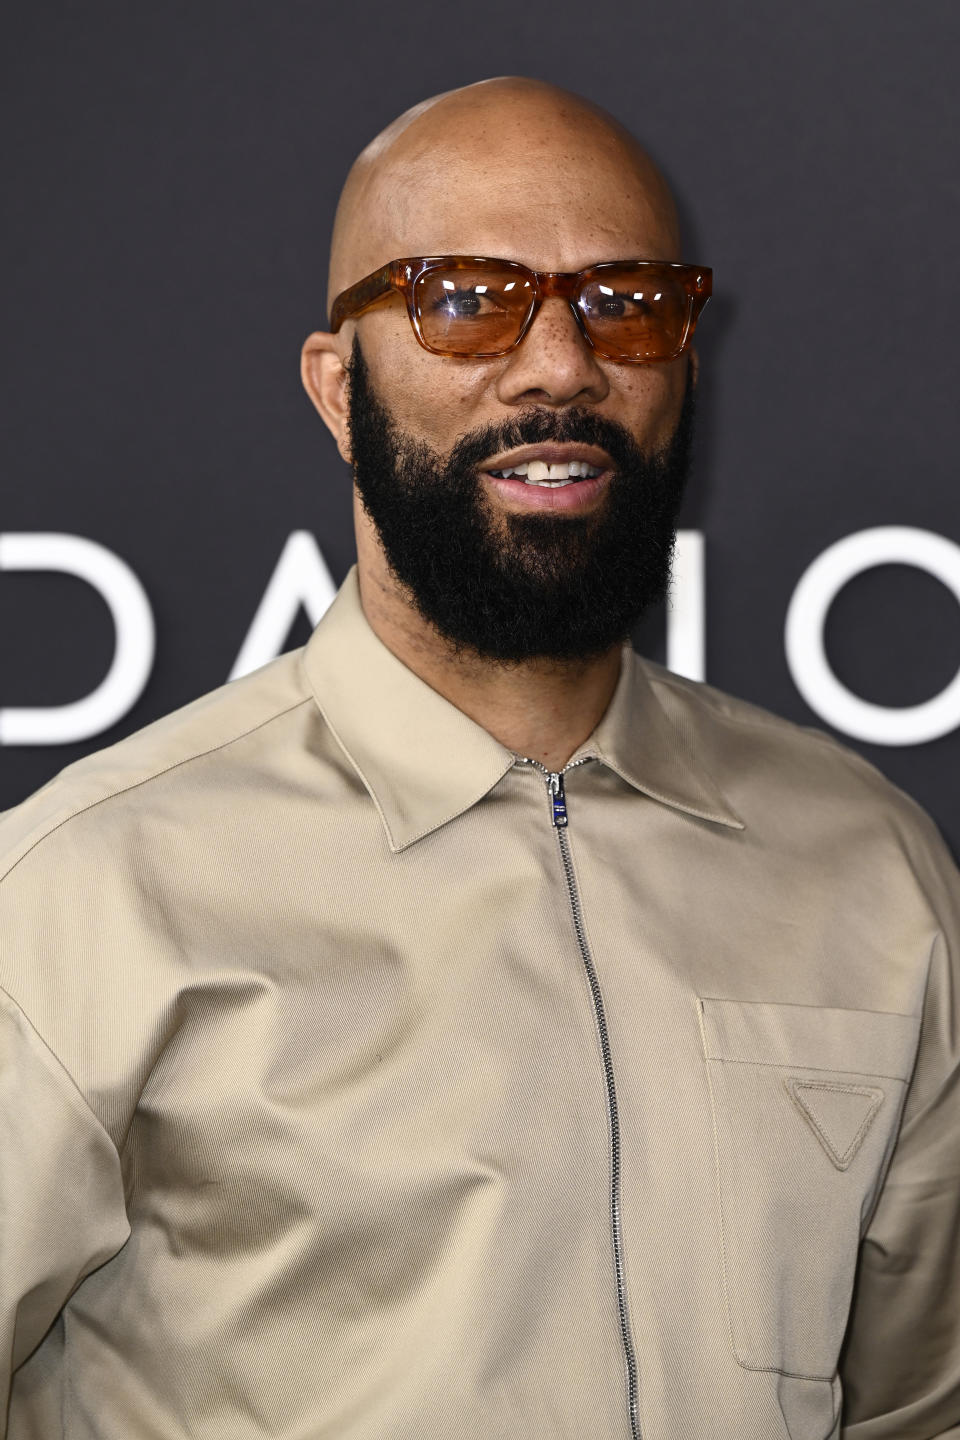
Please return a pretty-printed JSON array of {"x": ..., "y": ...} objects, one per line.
[{"x": 554, "y": 206}]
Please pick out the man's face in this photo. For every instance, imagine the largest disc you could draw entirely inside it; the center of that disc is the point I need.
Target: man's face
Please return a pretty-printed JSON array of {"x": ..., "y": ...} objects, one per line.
[
  {"x": 542, "y": 582},
  {"x": 556, "y": 193}
]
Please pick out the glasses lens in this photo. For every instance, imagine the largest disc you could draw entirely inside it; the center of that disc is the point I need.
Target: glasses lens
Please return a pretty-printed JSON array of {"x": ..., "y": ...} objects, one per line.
[
  {"x": 475, "y": 310},
  {"x": 636, "y": 312}
]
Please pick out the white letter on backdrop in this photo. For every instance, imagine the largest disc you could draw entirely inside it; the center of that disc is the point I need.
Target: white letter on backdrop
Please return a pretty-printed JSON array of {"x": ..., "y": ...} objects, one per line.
[
  {"x": 806, "y": 618},
  {"x": 301, "y": 577},
  {"x": 686, "y": 608},
  {"x": 133, "y": 626}
]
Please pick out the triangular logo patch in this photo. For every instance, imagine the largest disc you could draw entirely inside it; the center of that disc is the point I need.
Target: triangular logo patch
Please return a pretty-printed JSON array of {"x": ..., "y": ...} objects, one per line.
[{"x": 840, "y": 1114}]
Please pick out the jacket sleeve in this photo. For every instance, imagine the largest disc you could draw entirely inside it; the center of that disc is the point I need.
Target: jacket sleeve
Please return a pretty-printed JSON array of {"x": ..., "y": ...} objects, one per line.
[
  {"x": 901, "y": 1363},
  {"x": 61, "y": 1193}
]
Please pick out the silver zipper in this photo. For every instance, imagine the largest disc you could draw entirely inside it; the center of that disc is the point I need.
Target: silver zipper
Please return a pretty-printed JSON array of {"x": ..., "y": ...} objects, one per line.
[{"x": 560, "y": 819}]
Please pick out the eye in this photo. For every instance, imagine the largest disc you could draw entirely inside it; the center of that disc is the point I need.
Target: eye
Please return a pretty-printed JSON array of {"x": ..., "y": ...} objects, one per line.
[
  {"x": 612, "y": 305},
  {"x": 618, "y": 304},
  {"x": 465, "y": 303}
]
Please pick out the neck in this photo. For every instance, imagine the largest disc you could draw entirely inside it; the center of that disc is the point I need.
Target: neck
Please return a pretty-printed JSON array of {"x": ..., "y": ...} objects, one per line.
[{"x": 543, "y": 709}]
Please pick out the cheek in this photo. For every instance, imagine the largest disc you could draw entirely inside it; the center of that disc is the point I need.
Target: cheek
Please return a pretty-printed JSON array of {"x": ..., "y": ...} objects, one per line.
[
  {"x": 652, "y": 395},
  {"x": 433, "y": 397}
]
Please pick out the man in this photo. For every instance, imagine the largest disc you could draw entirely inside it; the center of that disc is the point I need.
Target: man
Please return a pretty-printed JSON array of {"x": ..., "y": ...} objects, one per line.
[{"x": 461, "y": 1027}]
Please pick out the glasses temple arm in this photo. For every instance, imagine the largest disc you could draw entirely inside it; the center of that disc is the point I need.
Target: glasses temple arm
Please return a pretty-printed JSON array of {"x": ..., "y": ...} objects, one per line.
[{"x": 357, "y": 298}]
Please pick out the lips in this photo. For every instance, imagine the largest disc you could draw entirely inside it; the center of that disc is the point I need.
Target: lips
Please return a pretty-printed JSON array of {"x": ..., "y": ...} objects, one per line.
[
  {"x": 553, "y": 466},
  {"x": 554, "y": 476}
]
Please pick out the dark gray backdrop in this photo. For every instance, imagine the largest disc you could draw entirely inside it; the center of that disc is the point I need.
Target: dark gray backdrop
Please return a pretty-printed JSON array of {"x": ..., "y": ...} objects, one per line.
[{"x": 170, "y": 174}]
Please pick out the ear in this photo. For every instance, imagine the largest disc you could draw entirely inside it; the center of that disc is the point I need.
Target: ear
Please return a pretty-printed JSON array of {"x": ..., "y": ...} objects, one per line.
[{"x": 324, "y": 378}]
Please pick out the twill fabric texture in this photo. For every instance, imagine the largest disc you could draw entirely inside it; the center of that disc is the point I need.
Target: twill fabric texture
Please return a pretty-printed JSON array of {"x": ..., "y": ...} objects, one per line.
[{"x": 307, "y": 1120}]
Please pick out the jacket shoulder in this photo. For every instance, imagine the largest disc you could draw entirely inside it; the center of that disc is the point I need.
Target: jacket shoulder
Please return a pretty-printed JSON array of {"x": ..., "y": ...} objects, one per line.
[
  {"x": 207, "y": 726},
  {"x": 754, "y": 752}
]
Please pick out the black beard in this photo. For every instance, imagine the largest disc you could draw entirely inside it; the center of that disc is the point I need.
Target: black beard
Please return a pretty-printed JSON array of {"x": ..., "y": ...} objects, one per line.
[{"x": 517, "y": 587}]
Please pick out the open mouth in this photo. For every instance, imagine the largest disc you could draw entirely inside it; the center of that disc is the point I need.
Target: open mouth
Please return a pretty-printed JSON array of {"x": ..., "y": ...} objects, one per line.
[
  {"x": 553, "y": 476},
  {"x": 560, "y": 477}
]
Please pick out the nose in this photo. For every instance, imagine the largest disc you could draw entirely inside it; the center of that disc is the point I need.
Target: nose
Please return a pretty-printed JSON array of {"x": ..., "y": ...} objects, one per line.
[{"x": 553, "y": 364}]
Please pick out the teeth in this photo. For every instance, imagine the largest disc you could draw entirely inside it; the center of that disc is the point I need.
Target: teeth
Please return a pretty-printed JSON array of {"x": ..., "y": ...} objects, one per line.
[{"x": 538, "y": 472}]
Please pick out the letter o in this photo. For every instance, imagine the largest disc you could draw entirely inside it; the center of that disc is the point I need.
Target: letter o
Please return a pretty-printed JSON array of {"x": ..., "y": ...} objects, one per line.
[{"x": 810, "y": 603}]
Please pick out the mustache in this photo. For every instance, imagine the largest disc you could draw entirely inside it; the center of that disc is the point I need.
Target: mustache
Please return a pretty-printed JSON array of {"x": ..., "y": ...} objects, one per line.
[{"x": 538, "y": 425}]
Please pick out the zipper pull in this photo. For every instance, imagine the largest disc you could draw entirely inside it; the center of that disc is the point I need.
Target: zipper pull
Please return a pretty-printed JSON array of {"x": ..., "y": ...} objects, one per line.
[{"x": 558, "y": 799}]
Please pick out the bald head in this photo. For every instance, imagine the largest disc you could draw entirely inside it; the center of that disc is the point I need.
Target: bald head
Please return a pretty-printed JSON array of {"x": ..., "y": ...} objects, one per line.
[{"x": 512, "y": 168}]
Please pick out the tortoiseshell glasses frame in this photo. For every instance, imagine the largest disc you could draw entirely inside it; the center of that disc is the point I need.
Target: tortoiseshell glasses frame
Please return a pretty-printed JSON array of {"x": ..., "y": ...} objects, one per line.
[{"x": 457, "y": 308}]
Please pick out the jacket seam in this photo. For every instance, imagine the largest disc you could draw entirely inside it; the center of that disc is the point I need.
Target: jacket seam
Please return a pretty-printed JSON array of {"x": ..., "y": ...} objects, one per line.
[
  {"x": 803, "y": 1005},
  {"x": 146, "y": 779},
  {"x": 715, "y": 700},
  {"x": 798, "y": 1065},
  {"x": 60, "y": 1068}
]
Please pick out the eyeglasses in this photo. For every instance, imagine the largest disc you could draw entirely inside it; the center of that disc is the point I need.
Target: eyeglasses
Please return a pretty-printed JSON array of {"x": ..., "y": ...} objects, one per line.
[{"x": 630, "y": 310}]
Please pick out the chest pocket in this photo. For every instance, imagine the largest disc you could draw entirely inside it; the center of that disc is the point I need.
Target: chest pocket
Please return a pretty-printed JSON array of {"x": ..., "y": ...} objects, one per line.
[{"x": 806, "y": 1106}]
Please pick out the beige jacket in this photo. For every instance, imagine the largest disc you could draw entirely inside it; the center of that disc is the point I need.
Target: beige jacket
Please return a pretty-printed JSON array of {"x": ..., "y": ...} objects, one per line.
[{"x": 346, "y": 1096}]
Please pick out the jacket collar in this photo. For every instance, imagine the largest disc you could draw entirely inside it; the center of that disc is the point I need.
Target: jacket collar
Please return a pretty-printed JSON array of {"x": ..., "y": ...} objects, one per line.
[
  {"x": 640, "y": 740},
  {"x": 424, "y": 762}
]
